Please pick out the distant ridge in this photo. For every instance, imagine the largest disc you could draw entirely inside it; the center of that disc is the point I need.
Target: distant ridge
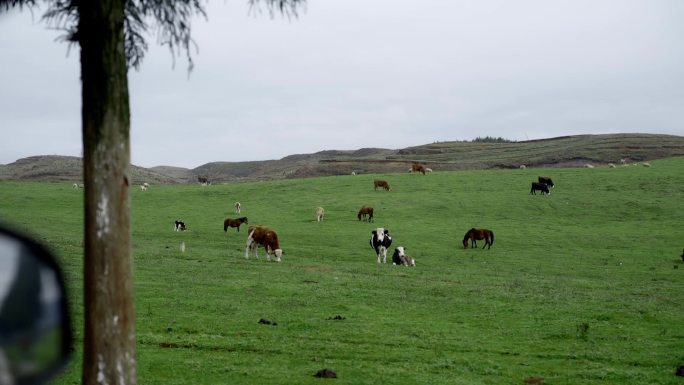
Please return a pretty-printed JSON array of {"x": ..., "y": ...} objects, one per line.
[{"x": 565, "y": 151}]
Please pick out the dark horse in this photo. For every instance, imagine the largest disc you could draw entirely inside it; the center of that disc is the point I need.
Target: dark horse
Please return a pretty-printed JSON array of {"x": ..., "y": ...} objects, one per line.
[
  {"x": 234, "y": 223},
  {"x": 475, "y": 235}
]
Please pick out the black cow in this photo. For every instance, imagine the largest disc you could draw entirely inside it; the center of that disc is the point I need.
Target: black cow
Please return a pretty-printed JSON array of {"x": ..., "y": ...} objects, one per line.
[
  {"x": 179, "y": 226},
  {"x": 546, "y": 180},
  {"x": 541, "y": 187},
  {"x": 380, "y": 241}
]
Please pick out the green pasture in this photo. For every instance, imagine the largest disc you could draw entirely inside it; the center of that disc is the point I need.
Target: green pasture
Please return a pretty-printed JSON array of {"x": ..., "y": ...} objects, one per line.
[{"x": 584, "y": 286}]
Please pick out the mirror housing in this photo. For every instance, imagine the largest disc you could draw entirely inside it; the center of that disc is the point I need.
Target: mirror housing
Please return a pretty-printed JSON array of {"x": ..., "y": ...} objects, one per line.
[{"x": 35, "y": 328}]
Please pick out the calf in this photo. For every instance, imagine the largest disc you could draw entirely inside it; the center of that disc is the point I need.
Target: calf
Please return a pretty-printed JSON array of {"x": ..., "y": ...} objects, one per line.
[
  {"x": 179, "y": 226},
  {"x": 381, "y": 183},
  {"x": 546, "y": 180},
  {"x": 320, "y": 213},
  {"x": 266, "y": 237},
  {"x": 541, "y": 187},
  {"x": 380, "y": 240},
  {"x": 400, "y": 258}
]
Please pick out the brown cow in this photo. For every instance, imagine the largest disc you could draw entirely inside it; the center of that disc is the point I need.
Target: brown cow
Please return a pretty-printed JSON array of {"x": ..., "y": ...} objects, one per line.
[
  {"x": 266, "y": 237},
  {"x": 381, "y": 183},
  {"x": 418, "y": 167}
]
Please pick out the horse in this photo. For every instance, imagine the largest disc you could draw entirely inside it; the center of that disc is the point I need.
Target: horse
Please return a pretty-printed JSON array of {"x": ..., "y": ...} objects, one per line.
[
  {"x": 229, "y": 222},
  {"x": 381, "y": 183},
  {"x": 366, "y": 211},
  {"x": 475, "y": 235}
]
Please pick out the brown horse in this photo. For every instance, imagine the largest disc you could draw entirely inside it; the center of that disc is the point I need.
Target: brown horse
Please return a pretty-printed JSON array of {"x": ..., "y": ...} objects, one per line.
[
  {"x": 366, "y": 213},
  {"x": 475, "y": 235},
  {"x": 229, "y": 222}
]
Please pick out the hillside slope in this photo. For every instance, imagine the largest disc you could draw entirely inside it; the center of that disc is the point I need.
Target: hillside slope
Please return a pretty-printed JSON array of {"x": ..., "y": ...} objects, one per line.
[{"x": 567, "y": 151}]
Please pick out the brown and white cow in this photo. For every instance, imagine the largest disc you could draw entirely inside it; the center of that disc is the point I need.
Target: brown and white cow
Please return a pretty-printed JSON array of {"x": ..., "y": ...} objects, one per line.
[
  {"x": 418, "y": 167},
  {"x": 266, "y": 237},
  {"x": 381, "y": 183}
]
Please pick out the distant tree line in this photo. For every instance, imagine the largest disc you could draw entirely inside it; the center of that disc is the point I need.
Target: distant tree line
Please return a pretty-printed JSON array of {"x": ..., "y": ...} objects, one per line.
[{"x": 491, "y": 139}]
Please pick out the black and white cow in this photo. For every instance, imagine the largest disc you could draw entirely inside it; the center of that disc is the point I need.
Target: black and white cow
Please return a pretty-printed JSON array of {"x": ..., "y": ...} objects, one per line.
[
  {"x": 541, "y": 187},
  {"x": 380, "y": 241},
  {"x": 179, "y": 225},
  {"x": 401, "y": 259}
]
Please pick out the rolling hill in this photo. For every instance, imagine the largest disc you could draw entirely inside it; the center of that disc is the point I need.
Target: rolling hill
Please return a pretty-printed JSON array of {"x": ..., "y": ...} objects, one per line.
[{"x": 566, "y": 151}]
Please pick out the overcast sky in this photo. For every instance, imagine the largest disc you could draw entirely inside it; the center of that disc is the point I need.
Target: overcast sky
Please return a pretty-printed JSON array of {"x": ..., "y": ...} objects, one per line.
[{"x": 351, "y": 74}]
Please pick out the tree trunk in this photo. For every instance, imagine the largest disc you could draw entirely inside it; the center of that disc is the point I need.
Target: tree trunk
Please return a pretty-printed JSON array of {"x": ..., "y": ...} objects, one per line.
[{"x": 109, "y": 340}]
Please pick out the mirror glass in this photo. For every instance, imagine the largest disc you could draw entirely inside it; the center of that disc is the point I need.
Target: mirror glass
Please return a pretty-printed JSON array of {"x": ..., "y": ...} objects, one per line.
[{"x": 34, "y": 331}]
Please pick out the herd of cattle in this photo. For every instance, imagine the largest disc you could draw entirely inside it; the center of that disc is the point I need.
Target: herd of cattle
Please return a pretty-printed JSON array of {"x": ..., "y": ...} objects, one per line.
[{"x": 380, "y": 239}]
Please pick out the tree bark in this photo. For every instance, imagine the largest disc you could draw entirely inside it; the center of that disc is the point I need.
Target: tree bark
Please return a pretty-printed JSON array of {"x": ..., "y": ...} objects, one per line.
[{"x": 109, "y": 340}]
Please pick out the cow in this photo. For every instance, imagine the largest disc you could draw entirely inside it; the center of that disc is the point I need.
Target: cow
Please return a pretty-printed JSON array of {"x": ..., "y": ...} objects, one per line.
[
  {"x": 541, "y": 187},
  {"x": 418, "y": 167},
  {"x": 203, "y": 180},
  {"x": 400, "y": 258},
  {"x": 320, "y": 213},
  {"x": 380, "y": 240},
  {"x": 179, "y": 225},
  {"x": 546, "y": 180},
  {"x": 366, "y": 213},
  {"x": 238, "y": 207},
  {"x": 381, "y": 183},
  {"x": 266, "y": 237}
]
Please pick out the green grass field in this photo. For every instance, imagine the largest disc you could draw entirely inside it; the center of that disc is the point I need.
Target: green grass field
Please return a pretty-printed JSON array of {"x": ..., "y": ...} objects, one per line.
[{"x": 584, "y": 286}]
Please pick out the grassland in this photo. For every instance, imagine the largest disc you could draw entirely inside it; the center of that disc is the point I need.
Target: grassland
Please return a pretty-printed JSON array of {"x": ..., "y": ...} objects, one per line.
[{"x": 584, "y": 286}]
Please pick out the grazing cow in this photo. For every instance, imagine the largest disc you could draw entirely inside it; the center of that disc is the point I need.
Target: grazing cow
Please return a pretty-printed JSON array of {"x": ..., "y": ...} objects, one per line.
[
  {"x": 229, "y": 222},
  {"x": 541, "y": 187},
  {"x": 546, "y": 180},
  {"x": 381, "y": 183},
  {"x": 179, "y": 226},
  {"x": 475, "y": 235},
  {"x": 320, "y": 213},
  {"x": 266, "y": 237},
  {"x": 203, "y": 180},
  {"x": 238, "y": 207},
  {"x": 366, "y": 213},
  {"x": 417, "y": 167},
  {"x": 401, "y": 259},
  {"x": 380, "y": 240}
]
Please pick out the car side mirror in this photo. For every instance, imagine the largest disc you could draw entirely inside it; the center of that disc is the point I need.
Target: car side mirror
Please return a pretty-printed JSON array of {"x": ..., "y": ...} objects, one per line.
[{"x": 35, "y": 328}]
